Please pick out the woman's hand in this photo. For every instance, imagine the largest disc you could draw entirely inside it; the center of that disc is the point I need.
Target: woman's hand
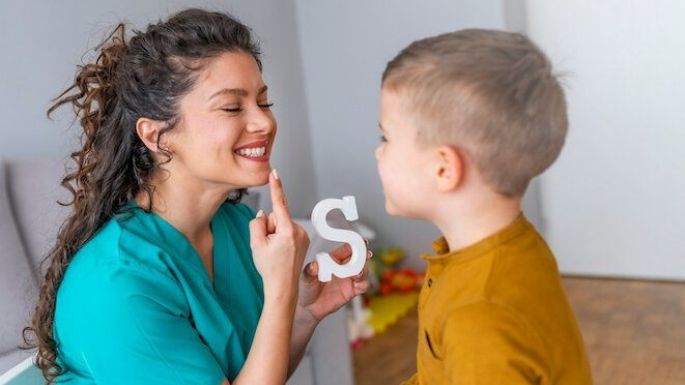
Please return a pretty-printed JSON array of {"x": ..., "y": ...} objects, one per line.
[
  {"x": 278, "y": 249},
  {"x": 278, "y": 246},
  {"x": 318, "y": 299}
]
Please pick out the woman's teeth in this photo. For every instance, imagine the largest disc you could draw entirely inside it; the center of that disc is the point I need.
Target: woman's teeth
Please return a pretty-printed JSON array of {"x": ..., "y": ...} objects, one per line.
[{"x": 252, "y": 152}]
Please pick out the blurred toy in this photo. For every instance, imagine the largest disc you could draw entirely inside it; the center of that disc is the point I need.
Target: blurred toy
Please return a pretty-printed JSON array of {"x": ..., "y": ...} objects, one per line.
[
  {"x": 358, "y": 327},
  {"x": 392, "y": 294},
  {"x": 392, "y": 279},
  {"x": 399, "y": 280},
  {"x": 391, "y": 256},
  {"x": 386, "y": 310}
]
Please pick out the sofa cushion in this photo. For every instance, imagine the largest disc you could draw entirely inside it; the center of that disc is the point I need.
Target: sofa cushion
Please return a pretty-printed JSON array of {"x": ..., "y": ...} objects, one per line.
[
  {"x": 12, "y": 359},
  {"x": 17, "y": 283},
  {"x": 34, "y": 189}
]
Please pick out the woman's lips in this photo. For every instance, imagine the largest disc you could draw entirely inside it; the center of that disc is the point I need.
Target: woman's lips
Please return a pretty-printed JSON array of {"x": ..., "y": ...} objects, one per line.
[{"x": 256, "y": 151}]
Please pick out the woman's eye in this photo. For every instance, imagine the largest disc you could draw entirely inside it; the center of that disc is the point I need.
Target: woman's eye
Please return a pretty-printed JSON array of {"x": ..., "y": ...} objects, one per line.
[
  {"x": 383, "y": 139},
  {"x": 235, "y": 110}
]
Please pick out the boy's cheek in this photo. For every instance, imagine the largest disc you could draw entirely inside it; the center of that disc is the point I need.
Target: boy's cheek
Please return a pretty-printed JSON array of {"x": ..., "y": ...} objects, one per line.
[
  {"x": 394, "y": 188},
  {"x": 393, "y": 196}
]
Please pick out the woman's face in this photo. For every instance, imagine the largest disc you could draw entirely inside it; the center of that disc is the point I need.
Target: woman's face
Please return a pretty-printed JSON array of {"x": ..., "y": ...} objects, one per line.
[{"x": 226, "y": 128}]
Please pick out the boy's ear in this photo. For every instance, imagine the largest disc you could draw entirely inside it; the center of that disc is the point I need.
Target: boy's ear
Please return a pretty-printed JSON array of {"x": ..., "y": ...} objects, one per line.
[
  {"x": 148, "y": 131},
  {"x": 449, "y": 168}
]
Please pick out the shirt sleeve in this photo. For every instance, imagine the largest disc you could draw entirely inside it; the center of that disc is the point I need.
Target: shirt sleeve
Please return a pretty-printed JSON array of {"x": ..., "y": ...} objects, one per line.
[
  {"x": 138, "y": 331},
  {"x": 485, "y": 343}
]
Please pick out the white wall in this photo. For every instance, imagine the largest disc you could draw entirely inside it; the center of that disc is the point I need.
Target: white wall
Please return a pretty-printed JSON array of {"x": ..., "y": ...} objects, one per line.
[
  {"x": 614, "y": 202},
  {"x": 43, "y": 41},
  {"x": 345, "y": 47}
]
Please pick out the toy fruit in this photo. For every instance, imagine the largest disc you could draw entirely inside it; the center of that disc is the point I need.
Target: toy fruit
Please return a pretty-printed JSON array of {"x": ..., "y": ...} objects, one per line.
[
  {"x": 392, "y": 256},
  {"x": 401, "y": 280},
  {"x": 404, "y": 280}
]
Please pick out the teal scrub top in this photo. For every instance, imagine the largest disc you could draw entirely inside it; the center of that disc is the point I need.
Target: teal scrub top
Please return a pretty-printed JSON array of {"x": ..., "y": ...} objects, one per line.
[{"x": 136, "y": 305}]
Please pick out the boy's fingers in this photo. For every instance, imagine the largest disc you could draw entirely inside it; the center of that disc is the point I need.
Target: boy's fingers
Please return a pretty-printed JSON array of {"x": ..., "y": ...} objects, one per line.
[
  {"x": 258, "y": 229},
  {"x": 278, "y": 201}
]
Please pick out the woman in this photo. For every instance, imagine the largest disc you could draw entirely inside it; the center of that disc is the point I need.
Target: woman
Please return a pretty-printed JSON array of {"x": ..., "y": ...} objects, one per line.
[{"x": 160, "y": 275}]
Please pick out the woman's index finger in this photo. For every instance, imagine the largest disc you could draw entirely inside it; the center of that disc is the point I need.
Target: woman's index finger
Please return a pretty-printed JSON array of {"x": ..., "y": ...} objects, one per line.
[{"x": 278, "y": 201}]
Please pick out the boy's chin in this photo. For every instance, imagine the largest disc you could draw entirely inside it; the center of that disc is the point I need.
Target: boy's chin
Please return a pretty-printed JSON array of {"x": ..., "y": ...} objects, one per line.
[
  {"x": 392, "y": 209},
  {"x": 398, "y": 211}
]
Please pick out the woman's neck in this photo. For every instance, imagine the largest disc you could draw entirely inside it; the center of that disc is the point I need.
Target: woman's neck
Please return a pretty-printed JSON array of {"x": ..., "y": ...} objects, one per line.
[{"x": 185, "y": 203}]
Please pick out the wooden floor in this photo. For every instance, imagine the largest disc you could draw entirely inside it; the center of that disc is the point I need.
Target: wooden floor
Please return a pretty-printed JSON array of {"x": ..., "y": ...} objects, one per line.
[{"x": 634, "y": 332}]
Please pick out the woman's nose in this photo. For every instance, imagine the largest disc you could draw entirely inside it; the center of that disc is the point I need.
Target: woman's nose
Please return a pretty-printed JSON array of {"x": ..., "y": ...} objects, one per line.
[{"x": 261, "y": 121}]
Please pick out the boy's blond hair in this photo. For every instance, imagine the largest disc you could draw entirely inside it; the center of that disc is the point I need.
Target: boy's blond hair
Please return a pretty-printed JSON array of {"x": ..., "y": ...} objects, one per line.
[{"x": 489, "y": 93}]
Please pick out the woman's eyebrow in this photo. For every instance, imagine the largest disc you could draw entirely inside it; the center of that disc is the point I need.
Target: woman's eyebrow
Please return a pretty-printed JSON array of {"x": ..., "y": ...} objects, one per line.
[{"x": 237, "y": 91}]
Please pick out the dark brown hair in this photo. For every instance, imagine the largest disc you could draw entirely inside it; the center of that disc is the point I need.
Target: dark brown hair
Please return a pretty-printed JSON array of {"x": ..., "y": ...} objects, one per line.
[
  {"x": 491, "y": 93},
  {"x": 144, "y": 76}
]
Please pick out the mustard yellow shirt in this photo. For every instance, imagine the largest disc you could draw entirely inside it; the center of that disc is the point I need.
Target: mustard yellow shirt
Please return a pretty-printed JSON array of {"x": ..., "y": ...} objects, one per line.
[{"x": 495, "y": 313}]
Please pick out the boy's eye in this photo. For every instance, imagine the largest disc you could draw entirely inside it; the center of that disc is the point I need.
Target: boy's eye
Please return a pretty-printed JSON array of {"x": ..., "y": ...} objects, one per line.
[
  {"x": 266, "y": 105},
  {"x": 383, "y": 139}
]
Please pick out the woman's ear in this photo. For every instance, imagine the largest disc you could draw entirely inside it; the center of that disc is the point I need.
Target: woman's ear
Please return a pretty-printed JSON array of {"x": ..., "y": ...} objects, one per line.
[
  {"x": 449, "y": 168},
  {"x": 148, "y": 131}
]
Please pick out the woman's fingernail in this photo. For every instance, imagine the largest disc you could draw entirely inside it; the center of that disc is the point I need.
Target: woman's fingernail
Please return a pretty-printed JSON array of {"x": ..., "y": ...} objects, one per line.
[
  {"x": 275, "y": 174},
  {"x": 260, "y": 213}
]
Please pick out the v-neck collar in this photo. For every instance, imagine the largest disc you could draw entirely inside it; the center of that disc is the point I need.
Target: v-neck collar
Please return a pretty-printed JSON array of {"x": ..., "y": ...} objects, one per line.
[{"x": 177, "y": 236}]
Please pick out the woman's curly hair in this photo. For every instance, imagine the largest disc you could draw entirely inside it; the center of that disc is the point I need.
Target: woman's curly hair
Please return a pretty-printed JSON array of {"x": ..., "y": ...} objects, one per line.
[{"x": 144, "y": 76}]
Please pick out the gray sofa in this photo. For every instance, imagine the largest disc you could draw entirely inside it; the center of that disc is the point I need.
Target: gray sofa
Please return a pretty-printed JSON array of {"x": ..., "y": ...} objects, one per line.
[{"x": 29, "y": 220}]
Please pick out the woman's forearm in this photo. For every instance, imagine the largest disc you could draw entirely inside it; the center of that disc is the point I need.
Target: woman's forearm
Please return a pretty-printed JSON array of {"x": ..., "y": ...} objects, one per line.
[
  {"x": 267, "y": 362},
  {"x": 303, "y": 329}
]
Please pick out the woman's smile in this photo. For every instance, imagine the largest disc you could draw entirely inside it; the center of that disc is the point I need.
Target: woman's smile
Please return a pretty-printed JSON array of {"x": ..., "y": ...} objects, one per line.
[{"x": 255, "y": 151}]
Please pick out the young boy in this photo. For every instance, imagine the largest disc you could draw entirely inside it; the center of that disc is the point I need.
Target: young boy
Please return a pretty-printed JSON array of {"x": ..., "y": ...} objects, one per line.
[{"x": 468, "y": 119}]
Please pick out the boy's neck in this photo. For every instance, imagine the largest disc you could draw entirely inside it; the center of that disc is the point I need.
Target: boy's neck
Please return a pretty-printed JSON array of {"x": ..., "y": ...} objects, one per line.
[{"x": 465, "y": 225}]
